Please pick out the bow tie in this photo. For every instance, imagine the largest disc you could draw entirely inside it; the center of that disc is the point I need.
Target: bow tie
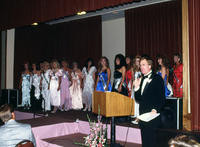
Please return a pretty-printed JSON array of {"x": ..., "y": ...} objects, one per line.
[{"x": 147, "y": 76}]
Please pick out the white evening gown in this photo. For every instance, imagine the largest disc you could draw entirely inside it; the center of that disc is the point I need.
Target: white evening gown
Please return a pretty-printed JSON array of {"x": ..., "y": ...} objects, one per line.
[
  {"x": 54, "y": 93},
  {"x": 45, "y": 90},
  {"x": 36, "y": 83},
  {"x": 76, "y": 92},
  {"x": 88, "y": 85}
]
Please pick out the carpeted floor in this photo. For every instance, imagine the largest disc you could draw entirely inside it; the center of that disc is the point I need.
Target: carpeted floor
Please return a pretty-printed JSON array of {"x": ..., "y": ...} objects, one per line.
[
  {"x": 71, "y": 116},
  {"x": 70, "y": 140}
]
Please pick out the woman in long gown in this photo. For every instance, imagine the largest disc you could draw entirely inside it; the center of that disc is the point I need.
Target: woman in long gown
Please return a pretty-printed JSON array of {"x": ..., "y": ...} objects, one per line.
[
  {"x": 75, "y": 89},
  {"x": 45, "y": 86},
  {"x": 35, "y": 88},
  {"x": 178, "y": 77},
  {"x": 66, "y": 101},
  {"x": 88, "y": 79},
  {"x": 103, "y": 80},
  {"x": 25, "y": 85},
  {"x": 54, "y": 87},
  {"x": 119, "y": 83},
  {"x": 129, "y": 74},
  {"x": 163, "y": 71}
]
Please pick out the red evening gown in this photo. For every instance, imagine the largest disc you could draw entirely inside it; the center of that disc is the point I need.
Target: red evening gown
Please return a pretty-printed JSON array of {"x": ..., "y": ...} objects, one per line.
[
  {"x": 178, "y": 81},
  {"x": 129, "y": 81}
]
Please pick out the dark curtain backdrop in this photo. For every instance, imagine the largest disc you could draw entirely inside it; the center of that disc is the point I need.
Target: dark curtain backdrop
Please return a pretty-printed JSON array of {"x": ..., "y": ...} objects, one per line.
[
  {"x": 15, "y": 13},
  {"x": 154, "y": 30},
  {"x": 0, "y": 56},
  {"x": 74, "y": 41},
  {"x": 194, "y": 47}
]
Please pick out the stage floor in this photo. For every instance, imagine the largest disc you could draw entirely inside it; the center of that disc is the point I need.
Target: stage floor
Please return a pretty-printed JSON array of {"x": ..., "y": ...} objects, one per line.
[
  {"x": 70, "y": 118},
  {"x": 76, "y": 127}
]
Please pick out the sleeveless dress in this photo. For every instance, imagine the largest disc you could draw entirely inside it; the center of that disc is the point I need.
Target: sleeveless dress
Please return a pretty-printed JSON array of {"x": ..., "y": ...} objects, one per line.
[
  {"x": 116, "y": 83},
  {"x": 102, "y": 83},
  {"x": 54, "y": 93},
  {"x": 129, "y": 81},
  {"x": 88, "y": 85},
  {"x": 36, "y": 83},
  {"x": 26, "y": 89},
  {"x": 64, "y": 91},
  {"x": 76, "y": 92},
  {"x": 45, "y": 90},
  {"x": 178, "y": 81},
  {"x": 167, "y": 92}
]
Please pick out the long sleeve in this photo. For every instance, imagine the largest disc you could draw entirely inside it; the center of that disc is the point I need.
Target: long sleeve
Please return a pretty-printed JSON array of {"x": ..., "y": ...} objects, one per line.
[{"x": 159, "y": 91}]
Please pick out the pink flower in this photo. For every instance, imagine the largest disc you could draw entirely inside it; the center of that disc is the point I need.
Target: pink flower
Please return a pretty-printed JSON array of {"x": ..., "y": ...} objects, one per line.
[{"x": 100, "y": 145}]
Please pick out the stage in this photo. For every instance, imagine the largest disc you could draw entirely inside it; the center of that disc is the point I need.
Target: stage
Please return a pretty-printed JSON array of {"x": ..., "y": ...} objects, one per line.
[{"x": 66, "y": 128}]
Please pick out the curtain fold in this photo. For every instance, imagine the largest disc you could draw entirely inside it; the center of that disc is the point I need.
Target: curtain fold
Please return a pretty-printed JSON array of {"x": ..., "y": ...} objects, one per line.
[
  {"x": 194, "y": 45},
  {"x": 154, "y": 30},
  {"x": 74, "y": 41},
  {"x": 0, "y": 56}
]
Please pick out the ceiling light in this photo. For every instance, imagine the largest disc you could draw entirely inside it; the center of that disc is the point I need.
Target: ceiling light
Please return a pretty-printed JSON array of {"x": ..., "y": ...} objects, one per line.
[
  {"x": 35, "y": 24},
  {"x": 81, "y": 13}
]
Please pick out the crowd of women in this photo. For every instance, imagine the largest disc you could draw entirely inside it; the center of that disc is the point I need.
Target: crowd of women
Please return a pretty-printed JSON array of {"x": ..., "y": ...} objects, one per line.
[{"x": 65, "y": 88}]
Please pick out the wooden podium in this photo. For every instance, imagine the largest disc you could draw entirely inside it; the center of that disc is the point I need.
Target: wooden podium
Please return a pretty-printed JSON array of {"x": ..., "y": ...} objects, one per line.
[{"x": 112, "y": 104}]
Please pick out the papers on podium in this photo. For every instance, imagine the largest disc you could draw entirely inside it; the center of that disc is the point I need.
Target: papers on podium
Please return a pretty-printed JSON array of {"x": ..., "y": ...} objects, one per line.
[{"x": 146, "y": 117}]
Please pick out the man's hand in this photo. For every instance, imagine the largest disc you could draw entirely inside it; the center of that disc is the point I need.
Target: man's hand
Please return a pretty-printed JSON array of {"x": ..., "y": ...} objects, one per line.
[
  {"x": 136, "y": 83},
  {"x": 153, "y": 111}
]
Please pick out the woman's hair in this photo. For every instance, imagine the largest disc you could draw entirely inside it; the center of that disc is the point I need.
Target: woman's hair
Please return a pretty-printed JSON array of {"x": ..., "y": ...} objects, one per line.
[
  {"x": 129, "y": 66},
  {"x": 26, "y": 62},
  {"x": 99, "y": 63},
  {"x": 179, "y": 56},
  {"x": 135, "y": 67},
  {"x": 165, "y": 62},
  {"x": 64, "y": 60},
  {"x": 46, "y": 63},
  {"x": 37, "y": 66},
  {"x": 89, "y": 60},
  {"x": 57, "y": 63},
  {"x": 183, "y": 141},
  {"x": 122, "y": 61},
  {"x": 75, "y": 63}
]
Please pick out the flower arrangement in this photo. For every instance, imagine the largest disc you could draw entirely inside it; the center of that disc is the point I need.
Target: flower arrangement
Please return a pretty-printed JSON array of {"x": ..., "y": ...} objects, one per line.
[{"x": 98, "y": 134}]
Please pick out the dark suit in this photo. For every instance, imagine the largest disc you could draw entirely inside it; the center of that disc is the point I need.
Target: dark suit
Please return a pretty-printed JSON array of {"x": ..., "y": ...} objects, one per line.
[{"x": 153, "y": 97}]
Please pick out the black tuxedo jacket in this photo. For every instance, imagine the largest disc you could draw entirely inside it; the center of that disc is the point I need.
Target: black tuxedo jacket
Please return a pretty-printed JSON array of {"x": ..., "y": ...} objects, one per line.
[{"x": 153, "y": 96}]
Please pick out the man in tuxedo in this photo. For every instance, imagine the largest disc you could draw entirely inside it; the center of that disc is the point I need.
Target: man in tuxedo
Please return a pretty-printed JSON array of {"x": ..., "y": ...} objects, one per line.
[
  {"x": 150, "y": 94},
  {"x": 13, "y": 132}
]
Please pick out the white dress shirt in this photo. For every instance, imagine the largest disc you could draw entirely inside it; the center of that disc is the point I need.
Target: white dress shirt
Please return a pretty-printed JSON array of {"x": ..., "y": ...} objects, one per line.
[{"x": 146, "y": 80}]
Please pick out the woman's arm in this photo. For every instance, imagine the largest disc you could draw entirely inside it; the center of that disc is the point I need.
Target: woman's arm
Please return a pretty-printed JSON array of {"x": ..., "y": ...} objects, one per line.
[
  {"x": 49, "y": 81},
  {"x": 123, "y": 70},
  {"x": 163, "y": 72},
  {"x": 133, "y": 78},
  {"x": 96, "y": 82},
  {"x": 167, "y": 75},
  {"x": 93, "y": 76},
  {"x": 109, "y": 74},
  {"x": 20, "y": 82},
  {"x": 59, "y": 82}
]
